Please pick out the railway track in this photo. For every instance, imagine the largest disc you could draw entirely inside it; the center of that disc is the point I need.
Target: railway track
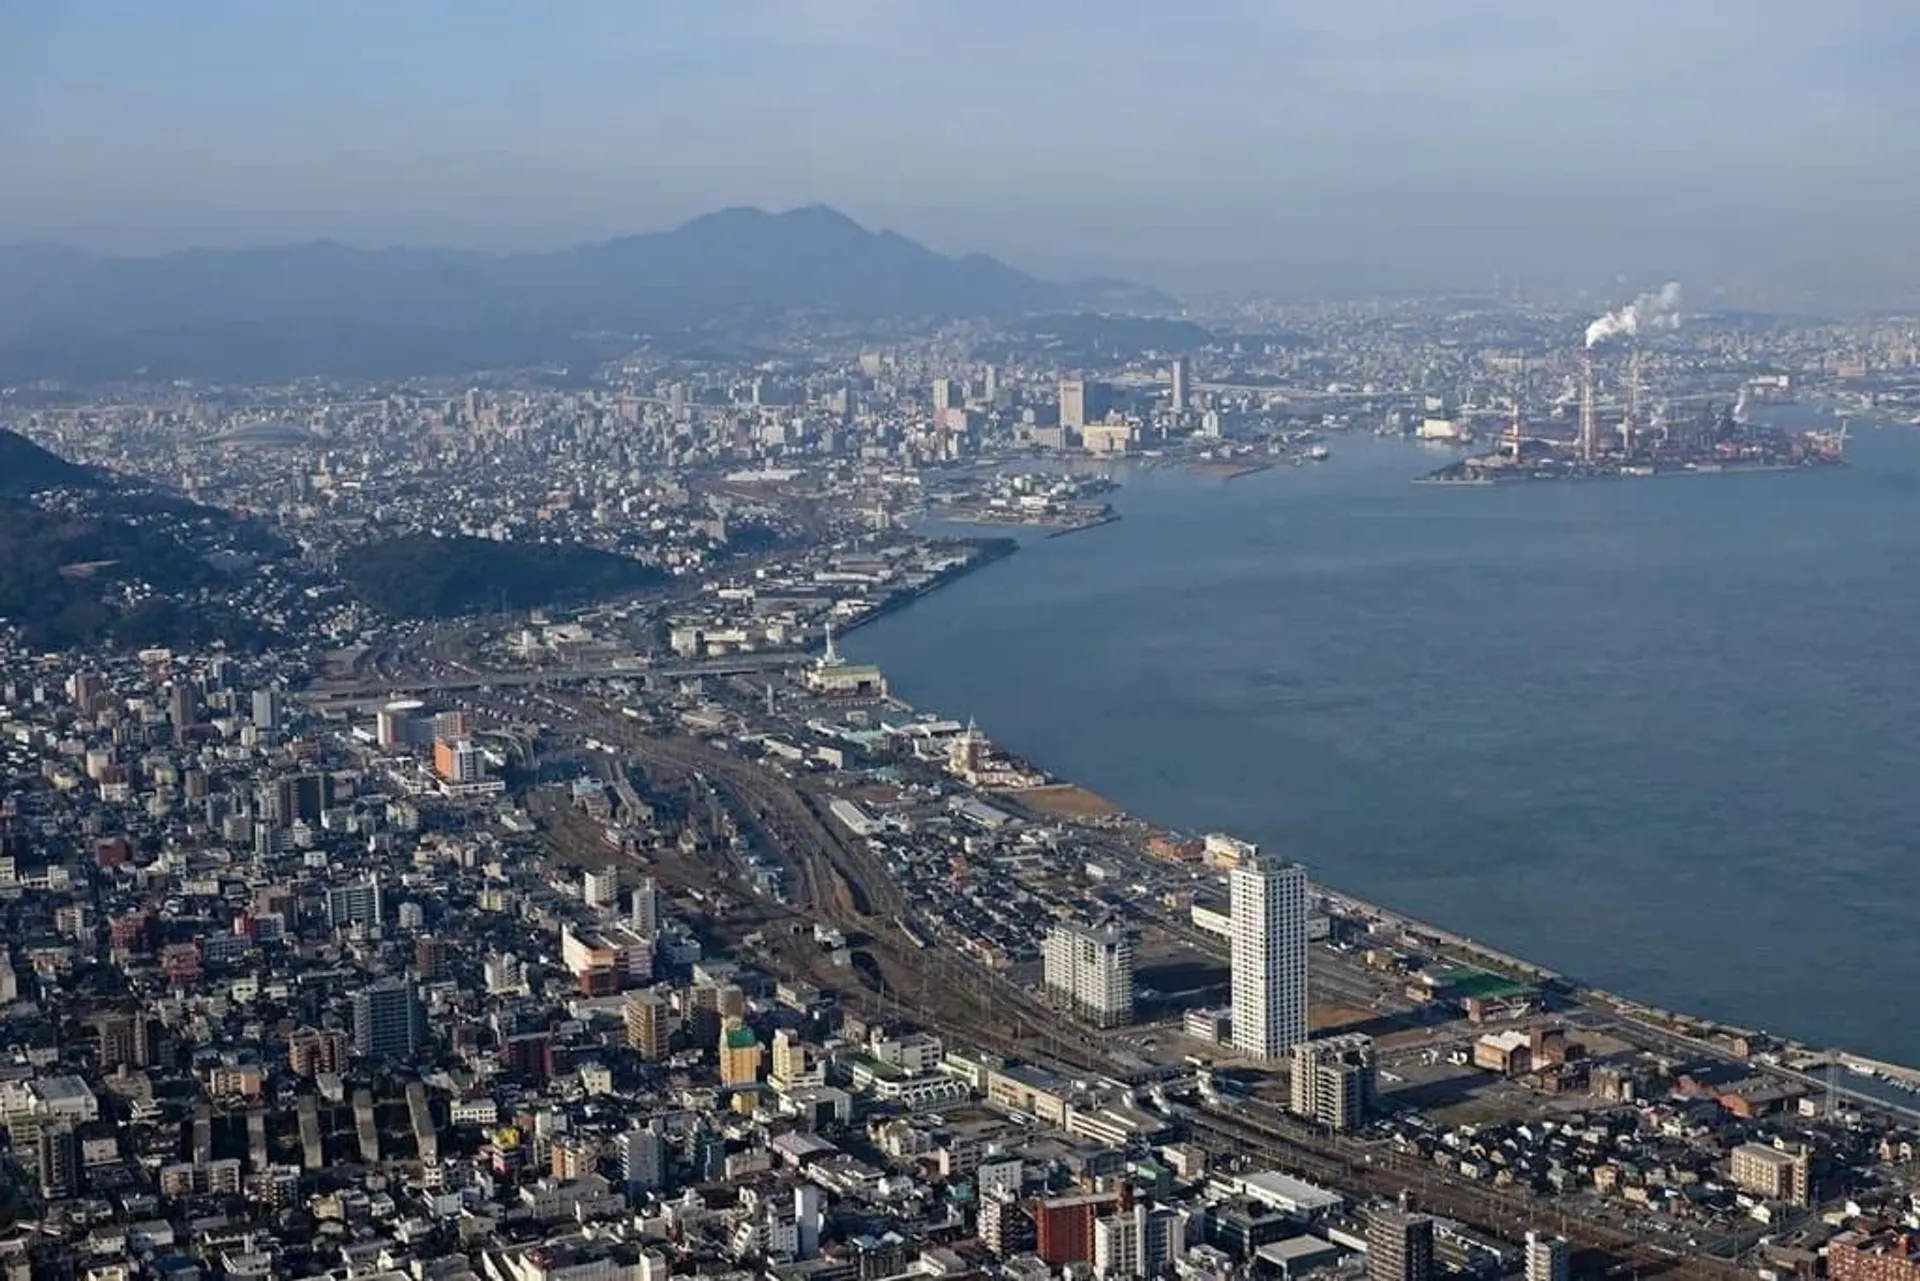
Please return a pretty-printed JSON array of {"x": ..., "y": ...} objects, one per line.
[
  {"x": 846, "y": 885},
  {"x": 854, "y": 886},
  {"x": 1495, "y": 1211}
]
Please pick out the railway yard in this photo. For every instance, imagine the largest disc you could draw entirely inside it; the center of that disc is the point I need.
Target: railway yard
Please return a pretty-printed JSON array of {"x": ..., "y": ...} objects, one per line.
[{"x": 764, "y": 861}]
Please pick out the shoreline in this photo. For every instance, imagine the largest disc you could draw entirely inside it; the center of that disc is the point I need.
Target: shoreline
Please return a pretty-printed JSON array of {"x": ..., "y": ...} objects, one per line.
[
  {"x": 987, "y": 551},
  {"x": 1481, "y": 481},
  {"x": 1794, "y": 1059},
  {"x": 1705, "y": 1035},
  {"x": 1109, "y": 518}
]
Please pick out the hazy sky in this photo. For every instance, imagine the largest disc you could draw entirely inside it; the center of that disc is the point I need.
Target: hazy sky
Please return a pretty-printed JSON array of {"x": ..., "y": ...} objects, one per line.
[{"x": 1186, "y": 141}]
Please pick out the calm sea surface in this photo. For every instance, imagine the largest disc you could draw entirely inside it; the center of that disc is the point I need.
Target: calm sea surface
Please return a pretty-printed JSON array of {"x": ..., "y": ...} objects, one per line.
[{"x": 1662, "y": 735}]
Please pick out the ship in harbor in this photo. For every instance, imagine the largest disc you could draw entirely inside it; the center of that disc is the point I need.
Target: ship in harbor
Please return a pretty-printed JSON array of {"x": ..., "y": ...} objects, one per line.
[{"x": 1717, "y": 439}]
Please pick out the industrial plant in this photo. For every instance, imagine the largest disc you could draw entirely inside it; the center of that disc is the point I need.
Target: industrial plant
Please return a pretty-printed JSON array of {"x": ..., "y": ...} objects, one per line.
[{"x": 1618, "y": 432}]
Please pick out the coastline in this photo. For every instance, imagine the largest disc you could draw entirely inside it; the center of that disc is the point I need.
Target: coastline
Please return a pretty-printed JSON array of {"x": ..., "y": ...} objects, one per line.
[
  {"x": 1481, "y": 481},
  {"x": 988, "y": 551},
  {"x": 1794, "y": 1059},
  {"x": 1665, "y": 1026},
  {"x": 1107, "y": 519}
]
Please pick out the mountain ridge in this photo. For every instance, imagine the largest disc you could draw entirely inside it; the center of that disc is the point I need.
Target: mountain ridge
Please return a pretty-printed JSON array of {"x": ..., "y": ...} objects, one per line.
[
  {"x": 327, "y": 307},
  {"x": 27, "y": 468}
]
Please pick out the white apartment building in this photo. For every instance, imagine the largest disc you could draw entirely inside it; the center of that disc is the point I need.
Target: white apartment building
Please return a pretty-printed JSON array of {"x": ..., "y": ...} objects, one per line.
[
  {"x": 1269, "y": 909},
  {"x": 1091, "y": 969}
]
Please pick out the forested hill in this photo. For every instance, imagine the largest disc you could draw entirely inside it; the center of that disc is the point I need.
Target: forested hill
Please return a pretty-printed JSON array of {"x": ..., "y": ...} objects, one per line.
[{"x": 423, "y": 576}]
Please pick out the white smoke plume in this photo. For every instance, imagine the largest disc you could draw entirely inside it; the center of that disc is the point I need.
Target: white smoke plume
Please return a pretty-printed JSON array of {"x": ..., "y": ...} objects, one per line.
[{"x": 1648, "y": 311}]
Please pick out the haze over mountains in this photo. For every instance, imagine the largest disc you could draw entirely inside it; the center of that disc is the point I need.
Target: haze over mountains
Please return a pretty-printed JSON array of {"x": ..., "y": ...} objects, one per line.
[{"x": 331, "y": 308}]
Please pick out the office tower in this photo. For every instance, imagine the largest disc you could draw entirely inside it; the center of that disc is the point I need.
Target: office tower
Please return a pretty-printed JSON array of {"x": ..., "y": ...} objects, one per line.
[
  {"x": 1180, "y": 387},
  {"x": 388, "y": 1021},
  {"x": 1333, "y": 1080},
  {"x": 1116, "y": 1245},
  {"x": 266, "y": 710},
  {"x": 302, "y": 797},
  {"x": 645, "y": 911},
  {"x": 806, "y": 1219},
  {"x": 1097, "y": 400},
  {"x": 648, "y": 1025},
  {"x": 709, "y": 1158},
  {"x": 1548, "y": 1258},
  {"x": 457, "y": 761},
  {"x": 945, "y": 396},
  {"x": 1399, "y": 1246},
  {"x": 1073, "y": 403},
  {"x": 399, "y": 724},
  {"x": 990, "y": 384},
  {"x": 1139, "y": 1242},
  {"x": 359, "y": 901},
  {"x": 183, "y": 707},
  {"x": 58, "y": 1151},
  {"x": 1091, "y": 969},
  {"x": 125, "y": 1042},
  {"x": 1063, "y": 1226},
  {"x": 452, "y": 725},
  {"x": 431, "y": 953},
  {"x": 643, "y": 1159},
  {"x": 87, "y": 689},
  {"x": 268, "y": 804},
  {"x": 1269, "y": 910}
]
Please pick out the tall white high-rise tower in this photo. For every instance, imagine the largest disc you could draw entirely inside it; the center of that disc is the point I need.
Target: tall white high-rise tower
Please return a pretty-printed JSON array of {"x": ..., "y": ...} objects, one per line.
[{"x": 1269, "y": 956}]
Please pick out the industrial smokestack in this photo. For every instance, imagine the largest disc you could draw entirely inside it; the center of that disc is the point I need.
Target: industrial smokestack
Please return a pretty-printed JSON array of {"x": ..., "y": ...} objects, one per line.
[
  {"x": 1631, "y": 422},
  {"x": 1649, "y": 311},
  {"x": 1586, "y": 406}
]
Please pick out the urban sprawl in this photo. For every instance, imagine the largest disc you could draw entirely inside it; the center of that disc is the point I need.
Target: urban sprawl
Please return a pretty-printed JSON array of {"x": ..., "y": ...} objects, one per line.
[{"x": 442, "y": 835}]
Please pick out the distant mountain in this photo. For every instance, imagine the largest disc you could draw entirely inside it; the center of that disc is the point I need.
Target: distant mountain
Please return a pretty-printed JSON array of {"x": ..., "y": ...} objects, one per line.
[
  {"x": 331, "y": 308},
  {"x": 26, "y": 468}
]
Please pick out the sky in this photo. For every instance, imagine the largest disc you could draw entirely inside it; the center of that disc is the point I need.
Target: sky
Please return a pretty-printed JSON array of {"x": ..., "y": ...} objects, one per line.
[{"x": 1194, "y": 144}]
